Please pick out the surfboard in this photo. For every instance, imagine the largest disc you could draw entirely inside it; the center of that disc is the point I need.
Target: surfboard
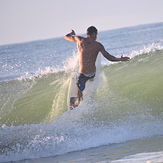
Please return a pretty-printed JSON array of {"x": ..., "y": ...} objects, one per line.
[{"x": 72, "y": 100}]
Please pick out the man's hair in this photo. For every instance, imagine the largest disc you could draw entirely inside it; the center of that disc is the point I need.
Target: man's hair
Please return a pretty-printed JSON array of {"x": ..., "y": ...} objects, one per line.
[{"x": 91, "y": 30}]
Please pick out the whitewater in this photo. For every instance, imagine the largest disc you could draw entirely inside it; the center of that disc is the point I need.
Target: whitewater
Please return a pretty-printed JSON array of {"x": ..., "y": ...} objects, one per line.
[{"x": 119, "y": 121}]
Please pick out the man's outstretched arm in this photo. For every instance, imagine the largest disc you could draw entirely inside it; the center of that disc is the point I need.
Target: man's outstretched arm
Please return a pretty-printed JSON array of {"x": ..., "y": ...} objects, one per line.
[{"x": 111, "y": 57}]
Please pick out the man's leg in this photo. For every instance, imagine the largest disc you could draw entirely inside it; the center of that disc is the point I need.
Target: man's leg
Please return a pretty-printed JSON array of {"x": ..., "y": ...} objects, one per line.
[{"x": 79, "y": 95}]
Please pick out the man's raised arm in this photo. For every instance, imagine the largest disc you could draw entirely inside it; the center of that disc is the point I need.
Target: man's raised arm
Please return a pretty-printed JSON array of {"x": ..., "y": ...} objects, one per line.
[{"x": 70, "y": 36}]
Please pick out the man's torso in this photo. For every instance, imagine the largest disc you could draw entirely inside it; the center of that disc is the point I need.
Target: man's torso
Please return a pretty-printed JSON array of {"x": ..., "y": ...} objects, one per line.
[{"x": 88, "y": 50}]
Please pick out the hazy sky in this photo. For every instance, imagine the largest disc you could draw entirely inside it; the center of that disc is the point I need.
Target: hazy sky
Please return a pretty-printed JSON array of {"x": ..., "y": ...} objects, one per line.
[{"x": 27, "y": 20}]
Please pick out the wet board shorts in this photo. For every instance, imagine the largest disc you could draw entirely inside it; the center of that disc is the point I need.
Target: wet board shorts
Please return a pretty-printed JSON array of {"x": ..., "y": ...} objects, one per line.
[{"x": 82, "y": 79}]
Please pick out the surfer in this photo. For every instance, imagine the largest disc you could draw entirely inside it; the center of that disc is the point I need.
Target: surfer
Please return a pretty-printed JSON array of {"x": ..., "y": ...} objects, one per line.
[{"x": 88, "y": 49}]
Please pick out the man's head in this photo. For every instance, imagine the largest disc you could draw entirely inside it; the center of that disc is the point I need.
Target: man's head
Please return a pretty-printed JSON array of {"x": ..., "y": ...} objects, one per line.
[{"x": 92, "y": 31}]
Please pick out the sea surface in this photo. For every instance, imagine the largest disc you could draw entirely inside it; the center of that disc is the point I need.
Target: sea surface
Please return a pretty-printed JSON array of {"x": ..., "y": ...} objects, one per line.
[{"x": 120, "y": 119}]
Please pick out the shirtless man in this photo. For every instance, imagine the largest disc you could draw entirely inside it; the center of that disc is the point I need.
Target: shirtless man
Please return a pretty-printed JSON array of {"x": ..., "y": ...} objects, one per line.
[{"x": 88, "y": 49}]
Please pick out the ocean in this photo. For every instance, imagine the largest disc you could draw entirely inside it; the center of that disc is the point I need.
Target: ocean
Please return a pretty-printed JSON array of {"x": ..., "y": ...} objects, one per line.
[{"x": 119, "y": 121}]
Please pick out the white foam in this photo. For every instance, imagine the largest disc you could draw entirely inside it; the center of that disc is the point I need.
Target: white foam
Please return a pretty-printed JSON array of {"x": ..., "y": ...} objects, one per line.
[
  {"x": 71, "y": 64},
  {"x": 151, "y": 157},
  {"x": 147, "y": 49},
  {"x": 39, "y": 73}
]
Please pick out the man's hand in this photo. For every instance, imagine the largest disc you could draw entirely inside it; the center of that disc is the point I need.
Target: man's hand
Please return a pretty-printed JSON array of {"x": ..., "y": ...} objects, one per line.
[
  {"x": 124, "y": 58},
  {"x": 72, "y": 32}
]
